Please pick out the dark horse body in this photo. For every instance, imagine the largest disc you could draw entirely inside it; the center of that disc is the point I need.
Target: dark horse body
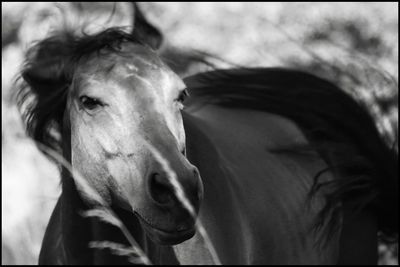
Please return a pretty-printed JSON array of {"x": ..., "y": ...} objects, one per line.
[{"x": 294, "y": 171}]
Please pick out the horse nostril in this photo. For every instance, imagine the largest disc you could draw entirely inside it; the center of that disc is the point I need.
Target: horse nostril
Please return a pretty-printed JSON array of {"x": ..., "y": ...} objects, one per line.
[{"x": 160, "y": 189}]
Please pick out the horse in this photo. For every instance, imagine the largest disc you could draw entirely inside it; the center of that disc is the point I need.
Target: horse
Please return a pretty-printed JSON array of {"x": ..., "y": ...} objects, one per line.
[{"x": 280, "y": 166}]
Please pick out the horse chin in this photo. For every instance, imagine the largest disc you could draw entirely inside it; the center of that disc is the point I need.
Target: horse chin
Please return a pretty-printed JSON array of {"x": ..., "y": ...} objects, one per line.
[{"x": 166, "y": 237}]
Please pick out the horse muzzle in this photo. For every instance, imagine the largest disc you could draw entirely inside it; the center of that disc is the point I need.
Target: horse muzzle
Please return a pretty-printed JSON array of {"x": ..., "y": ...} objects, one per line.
[{"x": 175, "y": 196}]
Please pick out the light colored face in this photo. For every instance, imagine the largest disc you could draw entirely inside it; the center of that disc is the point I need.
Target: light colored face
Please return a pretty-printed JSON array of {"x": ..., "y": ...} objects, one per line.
[{"x": 125, "y": 109}]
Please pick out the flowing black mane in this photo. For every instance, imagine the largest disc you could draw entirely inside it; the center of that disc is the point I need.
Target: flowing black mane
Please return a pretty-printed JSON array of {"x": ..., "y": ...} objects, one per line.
[
  {"x": 49, "y": 71},
  {"x": 339, "y": 128}
]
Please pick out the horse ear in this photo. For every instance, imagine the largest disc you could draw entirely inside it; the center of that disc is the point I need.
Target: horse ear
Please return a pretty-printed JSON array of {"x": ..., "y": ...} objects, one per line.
[{"x": 144, "y": 30}]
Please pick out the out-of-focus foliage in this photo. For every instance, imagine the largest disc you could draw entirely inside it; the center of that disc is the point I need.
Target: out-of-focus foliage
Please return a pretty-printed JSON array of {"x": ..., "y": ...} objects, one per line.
[{"x": 353, "y": 44}]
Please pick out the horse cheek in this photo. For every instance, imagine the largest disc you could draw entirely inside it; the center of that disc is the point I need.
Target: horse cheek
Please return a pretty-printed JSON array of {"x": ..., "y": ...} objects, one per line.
[{"x": 87, "y": 160}]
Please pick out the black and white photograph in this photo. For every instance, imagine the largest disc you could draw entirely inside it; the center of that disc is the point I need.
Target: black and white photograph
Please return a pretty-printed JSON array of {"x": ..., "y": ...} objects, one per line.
[{"x": 200, "y": 133}]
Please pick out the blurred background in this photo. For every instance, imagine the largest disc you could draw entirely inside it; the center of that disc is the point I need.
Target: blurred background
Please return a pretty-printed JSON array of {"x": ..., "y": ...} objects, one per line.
[{"x": 353, "y": 44}]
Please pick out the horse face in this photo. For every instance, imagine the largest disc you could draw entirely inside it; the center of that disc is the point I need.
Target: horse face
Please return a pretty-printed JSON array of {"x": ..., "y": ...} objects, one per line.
[{"x": 127, "y": 139}]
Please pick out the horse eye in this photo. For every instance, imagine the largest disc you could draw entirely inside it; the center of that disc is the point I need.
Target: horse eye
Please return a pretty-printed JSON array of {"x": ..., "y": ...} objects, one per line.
[{"x": 90, "y": 103}]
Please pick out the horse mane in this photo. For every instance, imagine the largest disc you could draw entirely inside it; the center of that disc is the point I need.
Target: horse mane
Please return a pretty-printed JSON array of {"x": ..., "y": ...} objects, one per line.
[
  {"x": 338, "y": 128},
  {"x": 48, "y": 73}
]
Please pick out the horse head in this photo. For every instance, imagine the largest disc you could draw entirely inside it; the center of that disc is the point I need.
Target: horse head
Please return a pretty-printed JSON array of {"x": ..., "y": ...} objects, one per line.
[{"x": 118, "y": 108}]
